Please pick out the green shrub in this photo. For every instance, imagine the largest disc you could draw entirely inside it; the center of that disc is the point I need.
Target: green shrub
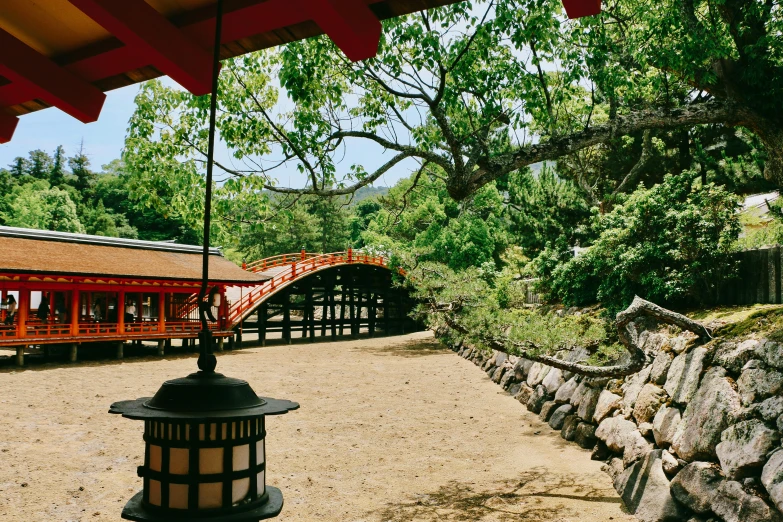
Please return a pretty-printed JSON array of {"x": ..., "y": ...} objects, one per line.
[{"x": 669, "y": 244}]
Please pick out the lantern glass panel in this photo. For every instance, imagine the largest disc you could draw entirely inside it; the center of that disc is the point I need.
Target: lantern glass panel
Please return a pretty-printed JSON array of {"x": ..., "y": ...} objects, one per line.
[
  {"x": 210, "y": 495},
  {"x": 156, "y": 457},
  {"x": 241, "y": 457},
  {"x": 178, "y": 496},
  {"x": 239, "y": 490},
  {"x": 179, "y": 461},
  {"x": 210, "y": 461},
  {"x": 154, "y": 492}
]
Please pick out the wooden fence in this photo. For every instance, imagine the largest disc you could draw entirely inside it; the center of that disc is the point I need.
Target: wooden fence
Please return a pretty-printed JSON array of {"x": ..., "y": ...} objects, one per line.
[{"x": 759, "y": 281}]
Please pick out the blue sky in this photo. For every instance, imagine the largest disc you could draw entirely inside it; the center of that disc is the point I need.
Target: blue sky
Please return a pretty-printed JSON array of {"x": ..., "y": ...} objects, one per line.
[{"x": 104, "y": 139}]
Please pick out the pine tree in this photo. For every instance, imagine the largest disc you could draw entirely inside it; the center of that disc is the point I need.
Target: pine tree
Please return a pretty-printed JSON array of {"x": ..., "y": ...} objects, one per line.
[{"x": 57, "y": 174}]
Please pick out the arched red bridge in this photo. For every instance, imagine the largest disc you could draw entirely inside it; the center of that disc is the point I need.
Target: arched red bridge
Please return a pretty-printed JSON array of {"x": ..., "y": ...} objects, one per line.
[{"x": 326, "y": 293}]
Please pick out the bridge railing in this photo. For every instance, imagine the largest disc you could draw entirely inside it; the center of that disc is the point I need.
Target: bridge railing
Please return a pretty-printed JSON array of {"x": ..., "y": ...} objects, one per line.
[
  {"x": 281, "y": 260},
  {"x": 295, "y": 269}
]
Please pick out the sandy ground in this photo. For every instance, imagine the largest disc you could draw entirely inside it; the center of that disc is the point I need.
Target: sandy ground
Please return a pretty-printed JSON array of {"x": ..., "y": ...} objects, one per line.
[{"x": 392, "y": 429}]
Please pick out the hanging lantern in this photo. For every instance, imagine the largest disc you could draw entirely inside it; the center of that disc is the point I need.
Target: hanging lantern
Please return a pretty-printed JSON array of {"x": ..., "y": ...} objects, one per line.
[{"x": 205, "y": 455}]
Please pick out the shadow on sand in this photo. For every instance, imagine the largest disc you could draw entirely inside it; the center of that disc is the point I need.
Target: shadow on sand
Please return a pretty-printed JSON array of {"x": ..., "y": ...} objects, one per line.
[
  {"x": 535, "y": 496},
  {"x": 393, "y": 346}
]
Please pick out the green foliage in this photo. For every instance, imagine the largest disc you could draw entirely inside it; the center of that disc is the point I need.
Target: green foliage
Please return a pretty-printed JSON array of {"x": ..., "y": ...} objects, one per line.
[
  {"x": 37, "y": 205},
  {"x": 669, "y": 244},
  {"x": 544, "y": 208},
  {"x": 425, "y": 220},
  {"x": 467, "y": 298}
]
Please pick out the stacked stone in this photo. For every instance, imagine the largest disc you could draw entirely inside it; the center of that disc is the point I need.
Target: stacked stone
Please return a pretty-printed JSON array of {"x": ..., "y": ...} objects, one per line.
[{"x": 694, "y": 436}]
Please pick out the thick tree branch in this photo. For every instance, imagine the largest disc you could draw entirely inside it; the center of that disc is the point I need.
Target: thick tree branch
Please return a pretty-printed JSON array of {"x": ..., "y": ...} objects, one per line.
[
  {"x": 664, "y": 118},
  {"x": 627, "y": 333}
]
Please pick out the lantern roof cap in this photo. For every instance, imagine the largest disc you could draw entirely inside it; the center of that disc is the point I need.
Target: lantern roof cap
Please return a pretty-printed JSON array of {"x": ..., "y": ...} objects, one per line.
[{"x": 203, "y": 396}]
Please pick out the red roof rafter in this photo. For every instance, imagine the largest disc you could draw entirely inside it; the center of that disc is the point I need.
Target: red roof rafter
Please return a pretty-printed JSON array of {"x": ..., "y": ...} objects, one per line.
[
  {"x": 8, "y": 125},
  {"x": 351, "y": 26},
  {"x": 581, "y": 8},
  {"x": 154, "y": 39},
  {"x": 26, "y": 67}
]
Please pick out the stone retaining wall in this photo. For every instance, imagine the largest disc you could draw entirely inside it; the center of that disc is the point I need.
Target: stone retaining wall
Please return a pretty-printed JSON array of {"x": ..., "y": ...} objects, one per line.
[{"x": 695, "y": 436}]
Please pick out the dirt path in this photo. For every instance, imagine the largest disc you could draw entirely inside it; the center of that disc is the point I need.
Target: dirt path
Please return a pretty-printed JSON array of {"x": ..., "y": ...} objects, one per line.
[{"x": 393, "y": 429}]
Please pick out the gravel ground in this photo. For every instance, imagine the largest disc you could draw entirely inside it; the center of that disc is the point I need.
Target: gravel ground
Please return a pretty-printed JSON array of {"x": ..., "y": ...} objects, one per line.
[{"x": 390, "y": 429}]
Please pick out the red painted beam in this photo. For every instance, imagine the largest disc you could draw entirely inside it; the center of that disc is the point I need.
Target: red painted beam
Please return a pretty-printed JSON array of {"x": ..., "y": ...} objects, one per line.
[
  {"x": 23, "y": 65},
  {"x": 8, "y": 125},
  {"x": 580, "y": 8},
  {"x": 150, "y": 35},
  {"x": 350, "y": 24}
]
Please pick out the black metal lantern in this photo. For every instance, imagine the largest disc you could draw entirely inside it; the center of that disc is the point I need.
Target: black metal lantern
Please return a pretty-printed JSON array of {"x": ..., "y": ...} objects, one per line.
[
  {"x": 205, "y": 453},
  {"x": 205, "y": 434}
]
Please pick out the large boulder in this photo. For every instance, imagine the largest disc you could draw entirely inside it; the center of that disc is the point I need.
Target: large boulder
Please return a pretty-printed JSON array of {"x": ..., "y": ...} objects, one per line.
[
  {"x": 695, "y": 486},
  {"x": 733, "y": 504},
  {"x": 524, "y": 393},
  {"x": 585, "y": 435},
  {"x": 682, "y": 379},
  {"x": 547, "y": 410},
  {"x": 508, "y": 379},
  {"x": 665, "y": 425},
  {"x": 497, "y": 375},
  {"x": 715, "y": 405},
  {"x": 519, "y": 370},
  {"x": 566, "y": 391},
  {"x": 660, "y": 367},
  {"x": 632, "y": 387},
  {"x": 771, "y": 353},
  {"x": 568, "y": 431},
  {"x": 636, "y": 447},
  {"x": 770, "y": 409},
  {"x": 733, "y": 356},
  {"x": 553, "y": 381},
  {"x": 756, "y": 384},
  {"x": 744, "y": 447},
  {"x": 772, "y": 478},
  {"x": 649, "y": 401},
  {"x": 644, "y": 489},
  {"x": 614, "y": 431},
  {"x": 587, "y": 404},
  {"x": 537, "y": 373},
  {"x": 607, "y": 403},
  {"x": 558, "y": 417},
  {"x": 580, "y": 392},
  {"x": 537, "y": 399}
]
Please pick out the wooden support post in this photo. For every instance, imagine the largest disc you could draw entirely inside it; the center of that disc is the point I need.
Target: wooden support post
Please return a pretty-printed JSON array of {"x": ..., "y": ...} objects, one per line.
[
  {"x": 312, "y": 315},
  {"x": 356, "y": 312},
  {"x": 73, "y": 356},
  {"x": 20, "y": 355},
  {"x": 168, "y": 344},
  {"x": 22, "y": 312},
  {"x": 333, "y": 312},
  {"x": 220, "y": 344},
  {"x": 162, "y": 347},
  {"x": 343, "y": 301},
  {"x": 75, "y": 312},
  {"x": 121, "y": 312},
  {"x": 372, "y": 310},
  {"x": 162, "y": 312},
  {"x": 287, "y": 317},
  {"x": 262, "y": 324},
  {"x": 386, "y": 312},
  {"x": 120, "y": 349}
]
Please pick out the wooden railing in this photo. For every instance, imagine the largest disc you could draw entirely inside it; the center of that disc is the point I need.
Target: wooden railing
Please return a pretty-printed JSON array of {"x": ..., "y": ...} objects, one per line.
[
  {"x": 281, "y": 260},
  {"x": 297, "y": 266}
]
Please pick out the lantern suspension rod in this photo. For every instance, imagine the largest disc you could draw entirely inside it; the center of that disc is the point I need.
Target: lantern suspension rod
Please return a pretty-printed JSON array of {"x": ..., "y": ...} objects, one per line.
[{"x": 207, "y": 360}]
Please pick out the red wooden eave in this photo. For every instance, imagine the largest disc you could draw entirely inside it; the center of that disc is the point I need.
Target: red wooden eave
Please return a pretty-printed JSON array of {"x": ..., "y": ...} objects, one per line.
[{"x": 146, "y": 43}]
